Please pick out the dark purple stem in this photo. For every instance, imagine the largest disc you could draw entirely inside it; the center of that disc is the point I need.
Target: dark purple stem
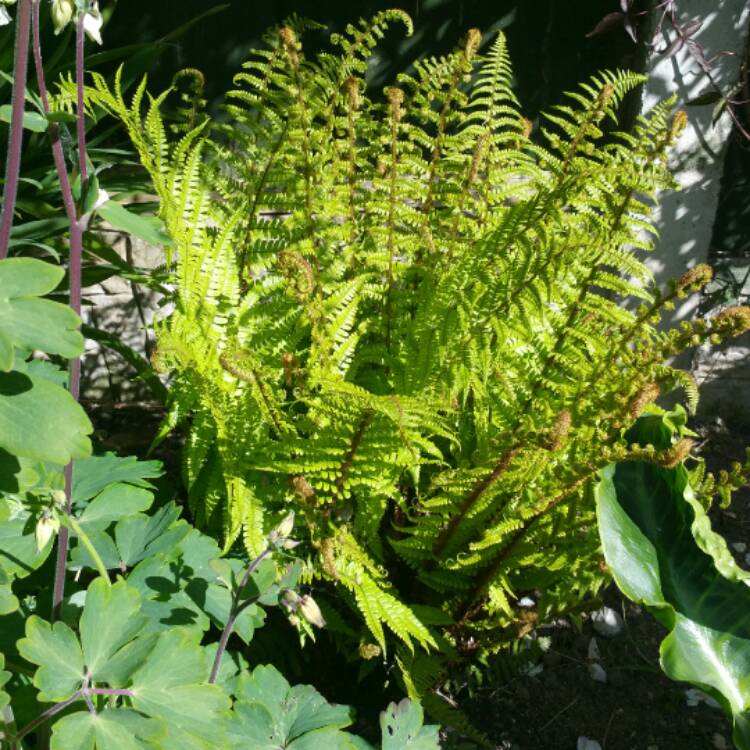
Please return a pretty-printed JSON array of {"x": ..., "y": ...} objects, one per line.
[
  {"x": 54, "y": 129},
  {"x": 77, "y": 226},
  {"x": 15, "y": 141},
  {"x": 48, "y": 714},
  {"x": 237, "y": 608},
  {"x": 124, "y": 692},
  {"x": 84, "y": 693},
  {"x": 81, "y": 125}
]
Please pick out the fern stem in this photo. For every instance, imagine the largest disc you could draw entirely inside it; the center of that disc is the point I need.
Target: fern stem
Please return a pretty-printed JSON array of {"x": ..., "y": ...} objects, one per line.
[
  {"x": 346, "y": 464},
  {"x": 392, "y": 198},
  {"x": 472, "y": 498},
  {"x": 489, "y": 575},
  {"x": 259, "y": 191},
  {"x": 15, "y": 138}
]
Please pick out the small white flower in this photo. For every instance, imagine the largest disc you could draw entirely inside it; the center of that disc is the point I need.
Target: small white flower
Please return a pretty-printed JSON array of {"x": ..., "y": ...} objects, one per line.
[
  {"x": 92, "y": 23},
  {"x": 5, "y": 17}
]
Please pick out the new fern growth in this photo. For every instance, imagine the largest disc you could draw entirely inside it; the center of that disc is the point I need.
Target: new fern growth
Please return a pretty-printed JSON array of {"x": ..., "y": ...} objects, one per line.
[{"x": 410, "y": 320}]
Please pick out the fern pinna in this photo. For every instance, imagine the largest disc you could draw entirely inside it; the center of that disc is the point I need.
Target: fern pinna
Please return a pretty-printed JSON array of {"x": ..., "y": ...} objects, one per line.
[{"x": 410, "y": 319}]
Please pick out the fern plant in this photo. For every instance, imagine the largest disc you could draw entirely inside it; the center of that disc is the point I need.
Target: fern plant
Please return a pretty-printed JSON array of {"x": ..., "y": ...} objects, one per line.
[{"x": 411, "y": 321}]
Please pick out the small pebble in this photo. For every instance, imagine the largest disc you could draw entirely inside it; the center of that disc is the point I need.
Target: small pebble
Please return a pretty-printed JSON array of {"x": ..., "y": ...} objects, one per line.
[
  {"x": 747, "y": 558},
  {"x": 652, "y": 747},
  {"x": 597, "y": 673},
  {"x": 739, "y": 546},
  {"x": 526, "y": 602},
  {"x": 607, "y": 622},
  {"x": 584, "y": 743},
  {"x": 720, "y": 742}
]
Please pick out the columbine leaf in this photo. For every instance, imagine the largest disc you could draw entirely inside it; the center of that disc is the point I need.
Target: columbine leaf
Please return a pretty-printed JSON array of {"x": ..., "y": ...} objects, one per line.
[
  {"x": 55, "y": 649},
  {"x": 4, "y": 677},
  {"x": 111, "y": 618},
  {"x": 402, "y": 728},
  {"x": 27, "y": 322},
  {"x": 140, "y": 536},
  {"x": 295, "y": 711},
  {"x": 647, "y": 526},
  {"x": 41, "y": 420},
  {"x": 109, "y": 730},
  {"x": 92, "y": 475},
  {"x": 114, "y": 502},
  {"x": 19, "y": 555},
  {"x": 171, "y": 686}
]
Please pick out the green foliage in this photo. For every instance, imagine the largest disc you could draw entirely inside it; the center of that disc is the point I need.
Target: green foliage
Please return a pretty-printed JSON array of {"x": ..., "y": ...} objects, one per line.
[
  {"x": 658, "y": 542},
  {"x": 128, "y": 666},
  {"x": 406, "y": 321}
]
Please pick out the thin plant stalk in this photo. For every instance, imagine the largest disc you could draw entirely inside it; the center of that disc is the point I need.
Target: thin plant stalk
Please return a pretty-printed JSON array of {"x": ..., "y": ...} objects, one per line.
[
  {"x": 234, "y": 613},
  {"x": 77, "y": 228},
  {"x": 15, "y": 140}
]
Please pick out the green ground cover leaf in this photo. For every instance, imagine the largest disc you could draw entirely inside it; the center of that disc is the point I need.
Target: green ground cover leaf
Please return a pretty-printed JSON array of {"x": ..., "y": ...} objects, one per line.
[
  {"x": 274, "y": 714},
  {"x": 402, "y": 727},
  {"x": 647, "y": 524}
]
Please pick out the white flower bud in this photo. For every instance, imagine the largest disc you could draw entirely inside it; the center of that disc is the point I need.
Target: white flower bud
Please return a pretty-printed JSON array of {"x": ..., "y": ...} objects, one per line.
[
  {"x": 59, "y": 498},
  {"x": 92, "y": 23},
  {"x": 5, "y": 17},
  {"x": 311, "y": 611},
  {"x": 283, "y": 530},
  {"x": 62, "y": 14},
  {"x": 46, "y": 528}
]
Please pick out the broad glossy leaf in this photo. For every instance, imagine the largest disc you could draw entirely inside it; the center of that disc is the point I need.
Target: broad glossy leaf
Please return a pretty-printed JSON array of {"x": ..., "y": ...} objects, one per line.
[
  {"x": 41, "y": 420},
  {"x": 647, "y": 528},
  {"x": 113, "y": 729},
  {"x": 171, "y": 685},
  {"x": 56, "y": 651},
  {"x": 401, "y": 724},
  {"x": 111, "y": 618},
  {"x": 28, "y": 322}
]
